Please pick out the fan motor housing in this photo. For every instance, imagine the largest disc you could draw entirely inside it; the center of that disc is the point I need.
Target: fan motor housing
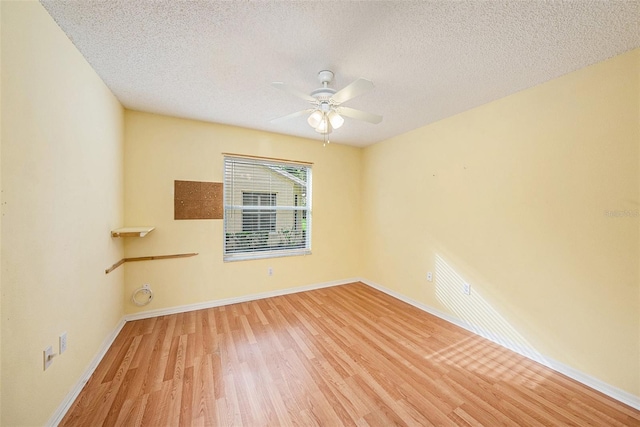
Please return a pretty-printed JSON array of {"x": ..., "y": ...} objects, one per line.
[{"x": 323, "y": 93}]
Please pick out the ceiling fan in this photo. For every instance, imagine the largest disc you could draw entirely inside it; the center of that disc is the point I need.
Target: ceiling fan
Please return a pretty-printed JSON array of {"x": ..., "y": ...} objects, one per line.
[{"x": 326, "y": 112}]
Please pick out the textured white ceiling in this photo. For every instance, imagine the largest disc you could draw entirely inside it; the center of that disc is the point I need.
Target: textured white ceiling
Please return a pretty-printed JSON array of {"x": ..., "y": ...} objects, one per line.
[{"x": 214, "y": 60}]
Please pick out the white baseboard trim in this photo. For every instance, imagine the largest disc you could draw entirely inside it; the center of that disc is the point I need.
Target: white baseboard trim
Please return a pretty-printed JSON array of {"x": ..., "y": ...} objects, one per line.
[
  {"x": 75, "y": 391},
  {"x": 234, "y": 300},
  {"x": 594, "y": 383}
]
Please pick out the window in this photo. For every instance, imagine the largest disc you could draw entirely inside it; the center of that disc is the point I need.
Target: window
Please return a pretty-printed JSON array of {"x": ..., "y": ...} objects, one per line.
[
  {"x": 258, "y": 220},
  {"x": 267, "y": 208}
]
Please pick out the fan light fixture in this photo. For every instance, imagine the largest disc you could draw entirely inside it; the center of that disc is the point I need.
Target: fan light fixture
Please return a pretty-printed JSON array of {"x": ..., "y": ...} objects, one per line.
[
  {"x": 327, "y": 111},
  {"x": 325, "y": 118},
  {"x": 315, "y": 118},
  {"x": 325, "y": 123},
  {"x": 335, "y": 119},
  {"x": 324, "y": 126}
]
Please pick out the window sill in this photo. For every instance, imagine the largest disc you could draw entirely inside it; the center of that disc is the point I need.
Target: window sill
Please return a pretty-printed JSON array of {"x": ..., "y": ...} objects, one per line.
[{"x": 246, "y": 256}]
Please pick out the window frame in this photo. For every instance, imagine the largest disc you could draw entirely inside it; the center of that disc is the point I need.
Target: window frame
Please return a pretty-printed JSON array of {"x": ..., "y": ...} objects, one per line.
[{"x": 280, "y": 242}]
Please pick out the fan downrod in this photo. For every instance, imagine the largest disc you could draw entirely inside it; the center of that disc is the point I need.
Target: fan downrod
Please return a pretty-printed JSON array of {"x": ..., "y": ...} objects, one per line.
[{"x": 325, "y": 92}]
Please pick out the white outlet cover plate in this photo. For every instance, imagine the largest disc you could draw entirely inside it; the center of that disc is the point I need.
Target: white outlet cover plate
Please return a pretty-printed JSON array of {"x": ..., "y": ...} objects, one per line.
[
  {"x": 63, "y": 342},
  {"x": 466, "y": 288}
]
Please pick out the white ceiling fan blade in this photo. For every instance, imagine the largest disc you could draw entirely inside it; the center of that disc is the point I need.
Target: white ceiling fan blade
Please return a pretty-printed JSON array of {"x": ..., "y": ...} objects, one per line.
[
  {"x": 359, "y": 115},
  {"x": 356, "y": 88},
  {"x": 292, "y": 115},
  {"x": 293, "y": 91}
]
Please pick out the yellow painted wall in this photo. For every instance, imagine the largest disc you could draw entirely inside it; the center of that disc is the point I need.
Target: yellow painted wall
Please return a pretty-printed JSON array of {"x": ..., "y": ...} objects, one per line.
[
  {"x": 160, "y": 149},
  {"x": 62, "y": 177},
  {"x": 0, "y": 221},
  {"x": 533, "y": 200}
]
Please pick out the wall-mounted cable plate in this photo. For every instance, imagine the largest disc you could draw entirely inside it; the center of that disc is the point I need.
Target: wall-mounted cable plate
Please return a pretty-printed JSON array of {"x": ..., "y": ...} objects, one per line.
[{"x": 47, "y": 355}]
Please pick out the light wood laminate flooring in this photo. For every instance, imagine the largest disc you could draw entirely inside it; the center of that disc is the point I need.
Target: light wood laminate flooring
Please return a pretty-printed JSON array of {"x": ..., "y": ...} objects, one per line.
[{"x": 346, "y": 355}]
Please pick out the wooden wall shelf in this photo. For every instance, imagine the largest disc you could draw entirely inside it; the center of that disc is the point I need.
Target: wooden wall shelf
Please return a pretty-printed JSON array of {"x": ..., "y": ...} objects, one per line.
[
  {"x": 131, "y": 231},
  {"x": 147, "y": 258}
]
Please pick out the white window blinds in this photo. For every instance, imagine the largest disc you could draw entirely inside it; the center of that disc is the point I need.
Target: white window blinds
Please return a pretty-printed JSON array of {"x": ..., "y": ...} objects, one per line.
[{"x": 267, "y": 208}]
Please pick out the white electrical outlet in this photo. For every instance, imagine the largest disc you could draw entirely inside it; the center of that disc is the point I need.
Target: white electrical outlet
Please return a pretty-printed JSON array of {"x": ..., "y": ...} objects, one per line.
[
  {"x": 466, "y": 288},
  {"x": 429, "y": 276},
  {"x": 270, "y": 271},
  {"x": 47, "y": 356},
  {"x": 63, "y": 342}
]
